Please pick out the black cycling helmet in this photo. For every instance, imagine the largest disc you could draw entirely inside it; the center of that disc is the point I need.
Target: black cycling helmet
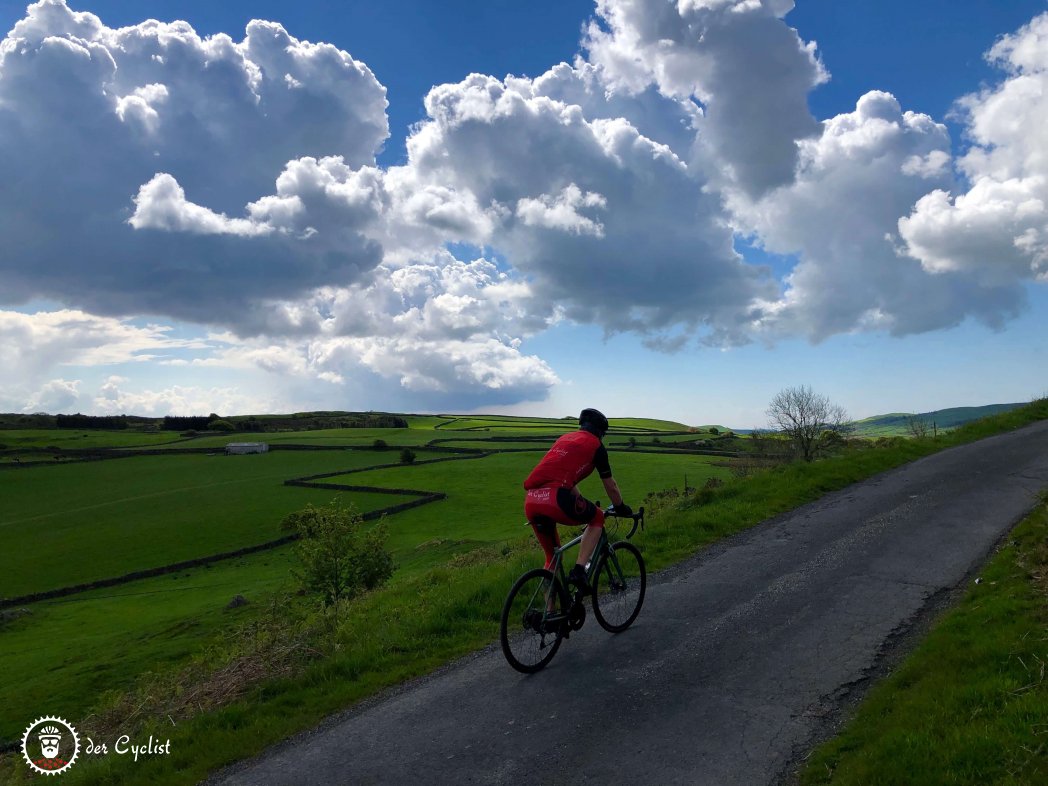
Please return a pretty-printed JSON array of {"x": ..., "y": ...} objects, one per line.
[{"x": 594, "y": 422}]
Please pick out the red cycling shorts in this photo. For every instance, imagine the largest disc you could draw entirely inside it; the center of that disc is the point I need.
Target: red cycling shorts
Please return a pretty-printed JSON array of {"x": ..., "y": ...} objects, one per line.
[{"x": 551, "y": 505}]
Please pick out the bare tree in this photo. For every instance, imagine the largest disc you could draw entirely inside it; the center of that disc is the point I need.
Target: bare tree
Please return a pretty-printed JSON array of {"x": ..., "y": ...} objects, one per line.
[
  {"x": 917, "y": 426},
  {"x": 810, "y": 420}
]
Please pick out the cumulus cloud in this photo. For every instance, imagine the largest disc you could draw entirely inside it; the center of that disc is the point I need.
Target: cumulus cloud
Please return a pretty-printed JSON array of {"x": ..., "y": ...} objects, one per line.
[
  {"x": 996, "y": 231},
  {"x": 445, "y": 326},
  {"x": 440, "y": 327},
  {"x": 840, "y": 216},
  {"x": 664, "y": 254},
  {"x": 501, "y": 372},
  {"x": 137, "y": 206},
  {"x": 36, "y": 347},
  {"x": 161, "y": 204},
  {"x": 114, "y": 399},
  {"x": 30, "y": 344},
  {"x": 750, "y": 72},
  {"x": 58, "y": 395},
  {"x": 561, "y": 211}
]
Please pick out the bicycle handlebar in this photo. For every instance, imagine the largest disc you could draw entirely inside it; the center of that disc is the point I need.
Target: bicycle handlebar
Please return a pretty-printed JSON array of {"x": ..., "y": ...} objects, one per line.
[{"x": 637, "y": 518}]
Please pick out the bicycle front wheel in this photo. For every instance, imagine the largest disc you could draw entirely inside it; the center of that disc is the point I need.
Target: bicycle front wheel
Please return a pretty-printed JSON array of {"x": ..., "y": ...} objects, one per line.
[
  {"x": 618, "y": 587},
  {"x": 534, "y": 619}
]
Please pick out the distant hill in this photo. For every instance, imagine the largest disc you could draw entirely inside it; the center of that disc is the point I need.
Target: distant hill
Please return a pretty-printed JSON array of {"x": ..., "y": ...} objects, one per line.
[{"x": 894, "y": 423}]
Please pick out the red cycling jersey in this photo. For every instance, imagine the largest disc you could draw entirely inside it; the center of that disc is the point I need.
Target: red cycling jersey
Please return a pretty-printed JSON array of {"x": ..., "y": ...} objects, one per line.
[{"x": 571, "y": 459}]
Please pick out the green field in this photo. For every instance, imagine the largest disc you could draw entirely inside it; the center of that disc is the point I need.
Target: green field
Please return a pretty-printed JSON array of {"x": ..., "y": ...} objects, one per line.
[
  {"x": 72, "y": 439},
  {"x": 83, "y": 521},
  {"x": 72, "y": 650}
]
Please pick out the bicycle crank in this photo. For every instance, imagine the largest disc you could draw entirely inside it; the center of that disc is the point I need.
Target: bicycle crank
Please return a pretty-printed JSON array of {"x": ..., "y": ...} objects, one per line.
[{"x": 577, "y": 616}]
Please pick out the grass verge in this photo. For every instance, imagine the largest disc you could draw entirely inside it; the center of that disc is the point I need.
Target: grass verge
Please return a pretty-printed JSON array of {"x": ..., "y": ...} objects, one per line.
[
  {"x": 970, "y": 705},
  {"x": 412, "y": 627}
]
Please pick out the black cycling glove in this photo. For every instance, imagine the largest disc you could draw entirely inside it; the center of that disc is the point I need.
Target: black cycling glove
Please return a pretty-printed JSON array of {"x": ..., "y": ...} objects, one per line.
[{"x": 623, "y": 510}]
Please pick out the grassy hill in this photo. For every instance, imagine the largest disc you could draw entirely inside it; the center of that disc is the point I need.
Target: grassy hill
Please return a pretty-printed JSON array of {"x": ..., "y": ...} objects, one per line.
[{"x": 894, "y": 423}]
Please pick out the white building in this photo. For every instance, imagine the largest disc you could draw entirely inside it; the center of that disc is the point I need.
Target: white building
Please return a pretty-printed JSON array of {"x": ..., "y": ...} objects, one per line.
[{"x": 236, "y": 448}]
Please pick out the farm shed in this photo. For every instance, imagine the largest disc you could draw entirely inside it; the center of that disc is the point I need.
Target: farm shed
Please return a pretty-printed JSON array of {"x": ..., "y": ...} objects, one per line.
[{"x": 236, "y": 448}]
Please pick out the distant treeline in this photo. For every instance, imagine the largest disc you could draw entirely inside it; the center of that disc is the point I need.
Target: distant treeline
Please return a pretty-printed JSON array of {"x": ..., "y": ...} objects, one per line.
[
  {"x": 18, "y": 420},
  {"x": 174, "y": 423},
  {"x": 313, "y": 422},
  {"x": 301, "y": 421},
  {"x": 90, "y": 421}
]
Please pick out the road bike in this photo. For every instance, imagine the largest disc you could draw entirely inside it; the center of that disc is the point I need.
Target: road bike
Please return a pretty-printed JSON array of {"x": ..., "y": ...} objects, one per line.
[{"x": 541, "y": 611}]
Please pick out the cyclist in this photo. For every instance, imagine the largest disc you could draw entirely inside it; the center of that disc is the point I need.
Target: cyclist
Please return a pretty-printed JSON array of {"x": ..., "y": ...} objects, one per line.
[{"x": 553, "y": 495}]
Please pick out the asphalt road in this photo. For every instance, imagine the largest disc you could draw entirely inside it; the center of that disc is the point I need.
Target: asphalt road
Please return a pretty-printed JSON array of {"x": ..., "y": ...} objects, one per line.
[{"x": 741, "y": 658}]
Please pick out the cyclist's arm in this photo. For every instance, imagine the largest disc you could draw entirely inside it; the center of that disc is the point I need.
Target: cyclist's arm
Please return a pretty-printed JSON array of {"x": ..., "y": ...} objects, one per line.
[
  {"x": 612, "y": 488},
  {"x": 603, "y": 467}
]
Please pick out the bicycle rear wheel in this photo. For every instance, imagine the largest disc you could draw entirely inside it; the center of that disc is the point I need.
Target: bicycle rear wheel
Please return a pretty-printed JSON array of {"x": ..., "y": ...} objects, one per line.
[
  {"x": 618, "y": 587},
  {"x": 534, "y": 619}
]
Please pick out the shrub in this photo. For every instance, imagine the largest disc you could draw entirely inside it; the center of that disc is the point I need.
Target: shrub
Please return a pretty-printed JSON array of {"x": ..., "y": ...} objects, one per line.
[
  {"x": 632, "y": 442},
  {"x": 337, "y": 558},
  {"x": 220, "y": 425},
  {"x": 407, "y": 456},
  {"x": 379, "y": 444},
  {"x": 658, "y": 501},
  {"x": 714, "y": 430},
  {"x": 706, "y": 494}
]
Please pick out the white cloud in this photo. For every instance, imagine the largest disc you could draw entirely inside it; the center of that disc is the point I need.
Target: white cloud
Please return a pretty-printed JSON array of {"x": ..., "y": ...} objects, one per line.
[
  {"x": 161, "y": 204},
  {"x": 58, "y": 395},
  {"x": 664, "y": 255},
  {"x": 498, "y": 370},
  {"x": 840, "y": 215},
  {"x": 445, "y": 327},
  {"x": 114, "y": 399},
  {"x": 996, "y": 232},
  {"x": 750, "y": 72},
  {"x": 101, "y": 219},
  {"x": 561, "y": 211},
  {"x": 31, "y": 344},
  {"x": 34, "y": 348}
]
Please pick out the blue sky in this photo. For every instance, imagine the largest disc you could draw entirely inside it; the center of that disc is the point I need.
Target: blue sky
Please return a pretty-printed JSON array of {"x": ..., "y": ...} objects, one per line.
[{"x": 938, "y": 314}]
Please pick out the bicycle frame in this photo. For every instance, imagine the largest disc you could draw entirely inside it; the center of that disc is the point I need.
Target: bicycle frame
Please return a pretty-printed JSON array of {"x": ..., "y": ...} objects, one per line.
[{"x": 556, "y": 567}]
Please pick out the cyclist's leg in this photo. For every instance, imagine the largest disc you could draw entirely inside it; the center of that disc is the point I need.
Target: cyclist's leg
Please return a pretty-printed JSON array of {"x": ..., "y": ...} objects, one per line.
[
  {"x": 546, "y": 531},
  {"x": 579, "y": 510},
  {"x": 541, "y": 512}
]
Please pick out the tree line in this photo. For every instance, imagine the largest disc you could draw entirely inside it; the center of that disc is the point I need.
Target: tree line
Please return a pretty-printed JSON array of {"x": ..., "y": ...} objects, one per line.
[{"x": 91, "y": 421}]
